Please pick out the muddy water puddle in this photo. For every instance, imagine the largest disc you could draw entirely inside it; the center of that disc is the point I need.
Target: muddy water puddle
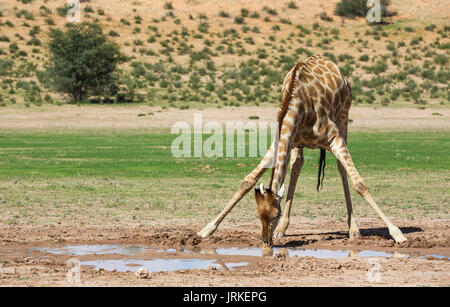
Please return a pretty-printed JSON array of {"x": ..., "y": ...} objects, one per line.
[{"x": 129, "y": 258}]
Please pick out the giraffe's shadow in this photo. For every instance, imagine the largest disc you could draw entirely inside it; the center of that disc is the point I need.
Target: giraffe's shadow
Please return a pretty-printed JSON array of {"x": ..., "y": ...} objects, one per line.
[{"x": 382, "y": 232}]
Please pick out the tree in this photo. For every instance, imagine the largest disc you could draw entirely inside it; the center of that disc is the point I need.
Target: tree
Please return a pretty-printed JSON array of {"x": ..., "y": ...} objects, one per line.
[{"x": 83, "y": 61}]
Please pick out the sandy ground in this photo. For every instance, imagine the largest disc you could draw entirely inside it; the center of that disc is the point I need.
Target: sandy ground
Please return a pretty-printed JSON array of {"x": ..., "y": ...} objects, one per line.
[
  {"x": 425, "y": 237},
  {"x": 119, "y": 117}
]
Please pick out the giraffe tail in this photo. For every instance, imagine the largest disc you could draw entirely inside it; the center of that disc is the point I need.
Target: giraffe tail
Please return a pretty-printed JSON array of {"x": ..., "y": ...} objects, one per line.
[{"x": 322, "y": 162}]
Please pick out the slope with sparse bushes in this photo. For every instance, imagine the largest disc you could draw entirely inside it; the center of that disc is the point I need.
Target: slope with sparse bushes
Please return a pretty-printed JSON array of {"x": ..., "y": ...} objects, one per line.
[{"x": 192, "y": 53}]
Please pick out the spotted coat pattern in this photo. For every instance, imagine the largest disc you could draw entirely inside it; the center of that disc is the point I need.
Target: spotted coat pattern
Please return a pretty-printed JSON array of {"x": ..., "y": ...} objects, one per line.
[{"x": 314, "y": 114}]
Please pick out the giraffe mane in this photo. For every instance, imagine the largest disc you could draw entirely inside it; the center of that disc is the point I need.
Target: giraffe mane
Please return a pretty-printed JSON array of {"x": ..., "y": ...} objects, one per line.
[
  {"x": 284, "y": 106},
  {"x": 286, "y": 99}
]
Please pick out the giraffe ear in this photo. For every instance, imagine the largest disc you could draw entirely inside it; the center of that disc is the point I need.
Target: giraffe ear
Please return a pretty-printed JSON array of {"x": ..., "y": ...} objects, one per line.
[
  {"x": 281, "y": 191},
  {"x": 260, "y": 189}
]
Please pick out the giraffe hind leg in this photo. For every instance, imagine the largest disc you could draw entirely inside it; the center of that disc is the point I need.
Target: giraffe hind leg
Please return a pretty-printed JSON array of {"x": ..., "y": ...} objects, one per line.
[
  {"x": 353, "y": 231},
  {"x": 339, "y": 149}
]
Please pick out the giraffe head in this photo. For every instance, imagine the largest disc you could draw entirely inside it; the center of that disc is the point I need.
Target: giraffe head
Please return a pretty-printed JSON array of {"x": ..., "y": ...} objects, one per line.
[{"x": 268, "y": 210}]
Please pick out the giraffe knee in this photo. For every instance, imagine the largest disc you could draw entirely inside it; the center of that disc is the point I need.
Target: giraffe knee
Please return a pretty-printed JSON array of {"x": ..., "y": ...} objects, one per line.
[
  {"x": 247, "y": 184},
  {"x": 361, "y": 187}
]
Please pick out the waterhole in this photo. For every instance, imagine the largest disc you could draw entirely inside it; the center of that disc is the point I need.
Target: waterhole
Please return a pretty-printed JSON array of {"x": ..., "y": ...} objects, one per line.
[{"x": 129, "y": 258}]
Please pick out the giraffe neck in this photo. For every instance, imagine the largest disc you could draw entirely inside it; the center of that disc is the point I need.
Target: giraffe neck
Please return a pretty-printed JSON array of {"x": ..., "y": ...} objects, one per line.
[
  {"x": 288, "y": 86},
  {"x": 286, "y": 137}
]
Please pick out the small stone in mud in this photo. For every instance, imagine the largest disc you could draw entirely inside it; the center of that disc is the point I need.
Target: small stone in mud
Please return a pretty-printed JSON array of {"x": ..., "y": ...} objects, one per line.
[
  {"x": 282, "y": 254},
  {"x": 141, "y": 273}
]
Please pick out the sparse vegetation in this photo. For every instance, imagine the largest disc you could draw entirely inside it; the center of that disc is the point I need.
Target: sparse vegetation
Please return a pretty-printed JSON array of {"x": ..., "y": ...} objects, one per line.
[{"x": 163, "y": 58}]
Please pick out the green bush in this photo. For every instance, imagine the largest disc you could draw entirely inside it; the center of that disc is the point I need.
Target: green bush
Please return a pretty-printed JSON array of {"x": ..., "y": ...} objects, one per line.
[
  {"x": 239, "y": 20},
  {"x": 83, "y": 62},
  {"x": 168, "y": 6},
  {"x": 441, "y": 59},
  {"x": 49, "y": 21},
  {"x": 351, "y": 8},
  {"x": 364, "y": 58},
  {"x": 6, "y": 67},
  {"x": 292, "y": 5},
  {"x": 113, "y": 33},
  {"x": 224, "y": 14}
]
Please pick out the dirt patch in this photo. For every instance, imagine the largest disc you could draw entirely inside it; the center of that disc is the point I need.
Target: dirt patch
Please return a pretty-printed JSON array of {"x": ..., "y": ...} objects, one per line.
[
  {"x": 424, "y": 238},
  {"x": 126, "y": 117}
]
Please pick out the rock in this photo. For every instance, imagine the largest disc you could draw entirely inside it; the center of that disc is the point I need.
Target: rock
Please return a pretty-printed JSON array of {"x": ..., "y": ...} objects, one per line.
[{"x": 141, "y": 273}]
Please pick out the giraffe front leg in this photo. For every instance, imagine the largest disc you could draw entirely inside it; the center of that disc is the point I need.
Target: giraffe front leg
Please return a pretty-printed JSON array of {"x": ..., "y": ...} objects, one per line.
[
  {"x": 297, "y": 163},
  {"x": 246, "y": 185},
  {"x": 339, "y": 149}
]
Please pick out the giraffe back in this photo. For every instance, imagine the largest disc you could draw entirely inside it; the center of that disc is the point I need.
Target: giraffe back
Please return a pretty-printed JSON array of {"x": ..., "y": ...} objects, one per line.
[{"x": 321, "y": 97}]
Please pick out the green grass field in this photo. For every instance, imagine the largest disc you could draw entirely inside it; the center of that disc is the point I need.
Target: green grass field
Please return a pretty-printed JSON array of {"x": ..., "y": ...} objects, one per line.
[{"x": 127, "y": 177}]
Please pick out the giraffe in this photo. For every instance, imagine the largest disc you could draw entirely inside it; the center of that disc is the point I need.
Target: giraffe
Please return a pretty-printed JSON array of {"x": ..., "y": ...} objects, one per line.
[{"x": 315, "y": 104}]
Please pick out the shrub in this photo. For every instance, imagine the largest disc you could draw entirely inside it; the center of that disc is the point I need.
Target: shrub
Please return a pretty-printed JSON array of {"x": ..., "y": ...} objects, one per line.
[
  {"x": 430, "y": 27},
  {"x": 62, "y": 11},
  {"x": 324, "y": 16},
  {"x": 34, "y": 42},
  {"x": 379, "y": 67},
  {"x": 364, "y": 58},
  {"x": 44, "y": 11},
  {"x": 35, "y": 30},
  {"x": 113, "y": 33},
  {"x": 203, "y": 27},
  {"x": 351, "y": 8},
  {"x": 224, "y": 14},
  {"x": 125, "y": 22},
  {"x": 441, "y": 59},
  {"x": 168, "y": 6},
  {"x": 239, "y": 20},
  {"x": 270, "y": 11},
  {"x": 6, "y": 66},
  {"x": 83, "y": 61},
  {"x": 27, "y": 14},
  {"x": 292, "y": 5},
  {"x": 88, "y": 9},
  {"x": 13, "y": 48},
  {"x": 49, "y": 21}
]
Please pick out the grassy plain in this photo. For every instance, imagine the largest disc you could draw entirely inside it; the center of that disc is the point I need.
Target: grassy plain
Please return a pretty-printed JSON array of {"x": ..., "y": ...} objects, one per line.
[{"x": 126, "y": 177}]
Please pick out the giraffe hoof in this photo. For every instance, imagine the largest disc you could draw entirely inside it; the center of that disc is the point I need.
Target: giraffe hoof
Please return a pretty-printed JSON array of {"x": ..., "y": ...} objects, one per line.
[
  {"x": 207, "y": 231},
  {"x": 281, "y": 228},
  {"x": 397, "y": 235},
  {"x": 354, "y": 235},
  {"x": 278, "y": 234}
]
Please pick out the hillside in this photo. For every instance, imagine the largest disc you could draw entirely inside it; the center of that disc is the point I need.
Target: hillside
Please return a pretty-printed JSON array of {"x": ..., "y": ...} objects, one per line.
[{"x": 188, "y": 53}]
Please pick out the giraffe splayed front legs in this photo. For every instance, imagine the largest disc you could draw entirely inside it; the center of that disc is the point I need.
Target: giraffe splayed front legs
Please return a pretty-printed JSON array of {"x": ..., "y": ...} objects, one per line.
[
  {"x": 316, "y": 100},
  {"x": 296, "y": 167}
]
